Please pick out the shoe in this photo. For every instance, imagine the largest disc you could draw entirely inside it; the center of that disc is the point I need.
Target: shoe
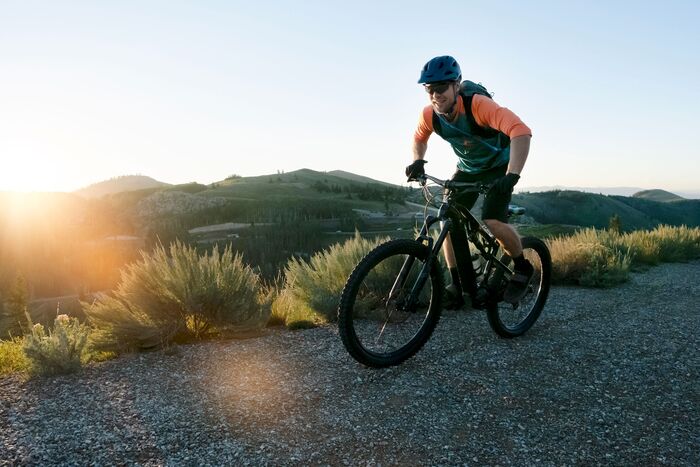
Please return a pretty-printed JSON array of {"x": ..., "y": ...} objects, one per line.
[
  {"x": 518, "y": 284},
  {"x": 453, "y": 298}
]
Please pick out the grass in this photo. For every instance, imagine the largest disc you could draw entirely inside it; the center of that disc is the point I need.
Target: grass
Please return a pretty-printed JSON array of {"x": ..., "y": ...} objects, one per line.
[
  {"x": 310, "y": 292},
  {"x": 547, "y": 230},
  {"x": 600, "y": 258},
  {"x": 14, "y": 360},
  {"x": 12, "y": 357}
]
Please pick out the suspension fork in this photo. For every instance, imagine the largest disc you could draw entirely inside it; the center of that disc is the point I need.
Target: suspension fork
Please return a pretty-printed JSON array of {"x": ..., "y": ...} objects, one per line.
[{"x": 434, "y": 251}]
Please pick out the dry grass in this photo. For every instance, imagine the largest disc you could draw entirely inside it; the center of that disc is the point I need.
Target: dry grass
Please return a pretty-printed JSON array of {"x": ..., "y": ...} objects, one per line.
[{"x": 600, "y": 258}]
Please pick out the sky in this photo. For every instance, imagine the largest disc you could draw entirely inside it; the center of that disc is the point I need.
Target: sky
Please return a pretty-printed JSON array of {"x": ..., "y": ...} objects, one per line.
[{"x": 201, "y": 90}]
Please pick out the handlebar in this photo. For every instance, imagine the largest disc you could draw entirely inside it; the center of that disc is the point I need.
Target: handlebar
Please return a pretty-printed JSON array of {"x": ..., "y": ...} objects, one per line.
[{"x": 452, "y": 185}]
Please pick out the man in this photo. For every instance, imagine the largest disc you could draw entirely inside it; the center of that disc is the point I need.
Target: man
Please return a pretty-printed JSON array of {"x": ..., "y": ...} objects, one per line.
[{"x": 475, "y": 127}]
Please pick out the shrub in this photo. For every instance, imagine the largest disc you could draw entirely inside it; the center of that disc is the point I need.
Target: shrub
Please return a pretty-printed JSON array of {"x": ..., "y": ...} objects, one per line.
[
  {"x": 601, "y": 258},
  {"x": 56, "y": 351},
  {"x": 676, "y": 243},
  {"x": 12, "y": 357},
  {"x": 590, "y": 257},
  {"x": 178, "y": 295},
  {"x": 311, "y": 290}
]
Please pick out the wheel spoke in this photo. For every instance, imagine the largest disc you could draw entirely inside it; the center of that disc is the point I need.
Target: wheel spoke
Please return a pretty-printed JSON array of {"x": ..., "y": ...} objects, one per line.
[
  {"x": 376, "y": 324},
  {"x": 509, "y": 320}
]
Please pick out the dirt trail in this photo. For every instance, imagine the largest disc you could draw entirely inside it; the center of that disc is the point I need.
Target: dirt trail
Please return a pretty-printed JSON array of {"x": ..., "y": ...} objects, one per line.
[{"x": 605, "y": 377}]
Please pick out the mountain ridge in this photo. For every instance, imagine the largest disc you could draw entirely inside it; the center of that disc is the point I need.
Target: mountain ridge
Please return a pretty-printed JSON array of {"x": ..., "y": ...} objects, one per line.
[{"x": 119, "y": 184}]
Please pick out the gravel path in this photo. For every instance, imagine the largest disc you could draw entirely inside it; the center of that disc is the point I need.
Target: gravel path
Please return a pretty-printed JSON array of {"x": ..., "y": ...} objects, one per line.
[{"x": 605, "y": 377}]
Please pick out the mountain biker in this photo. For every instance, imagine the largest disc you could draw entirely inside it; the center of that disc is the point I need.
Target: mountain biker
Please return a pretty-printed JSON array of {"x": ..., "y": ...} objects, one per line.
[{"x": 480, "y": 159}]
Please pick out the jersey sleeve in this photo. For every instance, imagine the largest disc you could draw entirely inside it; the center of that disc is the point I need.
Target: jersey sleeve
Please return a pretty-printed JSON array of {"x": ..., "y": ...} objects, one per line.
[
  {"x": 489, "y": 114},
  {"x": 425, "y": 125}
]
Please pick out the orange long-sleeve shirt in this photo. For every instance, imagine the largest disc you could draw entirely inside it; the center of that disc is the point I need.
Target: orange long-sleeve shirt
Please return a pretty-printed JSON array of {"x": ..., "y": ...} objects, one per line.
[
  {"x": 487, "y": 113},
  {"x": 476, "y": 154}
]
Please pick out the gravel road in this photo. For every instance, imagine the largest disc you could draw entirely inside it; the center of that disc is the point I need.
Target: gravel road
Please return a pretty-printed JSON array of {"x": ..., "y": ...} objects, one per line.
[{"x": 606, "y": 377}]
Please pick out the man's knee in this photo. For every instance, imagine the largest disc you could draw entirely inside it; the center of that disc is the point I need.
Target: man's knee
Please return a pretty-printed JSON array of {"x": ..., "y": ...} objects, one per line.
[{"x": 493, "y": 223}]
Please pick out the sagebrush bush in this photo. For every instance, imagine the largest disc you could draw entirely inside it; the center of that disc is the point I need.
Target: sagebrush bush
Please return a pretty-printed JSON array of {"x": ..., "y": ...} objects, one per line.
[
  {"x": 178, "y": 295},
  {"x": 312, "y": 289},
  {"x": 58, "y": 350}
]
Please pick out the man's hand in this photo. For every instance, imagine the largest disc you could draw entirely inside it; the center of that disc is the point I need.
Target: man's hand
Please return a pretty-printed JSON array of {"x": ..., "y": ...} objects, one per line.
[
  {"x": 505, "y": 184},
  {"x": 415, "y": 170}
]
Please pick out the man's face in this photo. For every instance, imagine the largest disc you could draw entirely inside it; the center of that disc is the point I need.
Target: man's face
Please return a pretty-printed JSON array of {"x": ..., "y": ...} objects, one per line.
[{"x": 442, "y": 95}]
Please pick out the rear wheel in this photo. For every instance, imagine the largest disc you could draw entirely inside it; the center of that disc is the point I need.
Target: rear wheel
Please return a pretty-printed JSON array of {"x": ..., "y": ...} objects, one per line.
[
  {"x": 509, "y": 320},
  {"x": 381, "y": 318}
]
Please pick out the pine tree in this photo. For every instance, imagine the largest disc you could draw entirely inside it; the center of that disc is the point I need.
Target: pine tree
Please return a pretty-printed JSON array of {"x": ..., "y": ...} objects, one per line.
[
  {"x": 615, "y": 224},
  {"x": 13, "y": 315}
]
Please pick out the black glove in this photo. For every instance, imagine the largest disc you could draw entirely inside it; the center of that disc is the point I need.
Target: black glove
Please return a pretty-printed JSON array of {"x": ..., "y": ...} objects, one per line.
[
  {"x": 415, "y": 170},
  {"x": 505, "y": 184}
]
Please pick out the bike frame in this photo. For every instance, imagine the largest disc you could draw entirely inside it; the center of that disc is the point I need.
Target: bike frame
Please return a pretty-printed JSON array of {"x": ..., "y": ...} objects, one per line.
[{"x": 463, "y": 228}]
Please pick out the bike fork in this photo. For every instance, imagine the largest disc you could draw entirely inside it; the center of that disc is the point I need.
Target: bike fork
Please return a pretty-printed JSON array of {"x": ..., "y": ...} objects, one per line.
[{"x": 425, "y": 269}]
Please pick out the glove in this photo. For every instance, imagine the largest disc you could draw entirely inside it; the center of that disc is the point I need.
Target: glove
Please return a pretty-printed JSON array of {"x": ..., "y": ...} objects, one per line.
[
  {"x": 415, "y": 170},
  {"x": 505, "y": 184}
]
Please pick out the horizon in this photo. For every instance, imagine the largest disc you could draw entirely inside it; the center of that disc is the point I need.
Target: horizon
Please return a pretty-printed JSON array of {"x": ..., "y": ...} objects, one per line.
[
  {"x": 605, "y": 190},
  {"x": 197, "y": 92}
]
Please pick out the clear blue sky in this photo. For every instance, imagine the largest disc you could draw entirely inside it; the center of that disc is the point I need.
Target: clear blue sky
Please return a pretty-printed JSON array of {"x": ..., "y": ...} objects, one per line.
[{"x": 197, "y": 91}]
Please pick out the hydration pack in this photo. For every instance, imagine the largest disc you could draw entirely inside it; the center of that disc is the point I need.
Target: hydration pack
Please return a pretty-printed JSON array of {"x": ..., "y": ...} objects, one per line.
[{"x": 467, "y": 89}]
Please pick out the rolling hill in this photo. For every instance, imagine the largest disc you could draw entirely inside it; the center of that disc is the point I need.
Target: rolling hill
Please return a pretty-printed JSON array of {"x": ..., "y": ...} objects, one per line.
[
  {"x": 65, "y": 241},
  {"x": 592, "y": 210},
  {"x": 320, "y": 195},
  {"x": 657, "y": 195},
  {"x": 119, "y": 185}
]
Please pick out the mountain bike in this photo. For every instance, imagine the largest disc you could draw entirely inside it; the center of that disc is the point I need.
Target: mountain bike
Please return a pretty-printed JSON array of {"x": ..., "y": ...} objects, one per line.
[{"x": 393, "y": 299}]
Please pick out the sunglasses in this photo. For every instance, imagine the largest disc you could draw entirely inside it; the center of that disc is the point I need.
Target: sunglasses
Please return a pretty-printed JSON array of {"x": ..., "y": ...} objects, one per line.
[{"x": 437, "y": 87}]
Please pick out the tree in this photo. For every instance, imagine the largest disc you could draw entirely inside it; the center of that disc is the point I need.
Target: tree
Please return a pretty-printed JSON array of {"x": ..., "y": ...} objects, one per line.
[
  {"x": 615, "y": 224},
  {"x": 13, "y": 315}
]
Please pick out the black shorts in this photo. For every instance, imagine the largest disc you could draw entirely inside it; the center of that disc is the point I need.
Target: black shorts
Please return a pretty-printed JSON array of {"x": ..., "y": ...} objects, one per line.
[{"x": 495, "y": 205}]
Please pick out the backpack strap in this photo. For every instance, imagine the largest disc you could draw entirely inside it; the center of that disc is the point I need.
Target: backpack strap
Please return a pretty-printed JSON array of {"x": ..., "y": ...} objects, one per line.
[
  {"x": 474, "y": 127},
  {"x": 437, "y": 126}
]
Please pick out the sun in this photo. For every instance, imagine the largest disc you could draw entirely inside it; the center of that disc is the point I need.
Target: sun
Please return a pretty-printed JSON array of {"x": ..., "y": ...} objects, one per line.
[{"x": 36, "y": 175}]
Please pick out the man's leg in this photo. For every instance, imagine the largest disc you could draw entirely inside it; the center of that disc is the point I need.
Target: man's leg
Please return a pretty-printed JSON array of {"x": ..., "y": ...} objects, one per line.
[
  {"x": 455, "y": 289},
  {"x": 506, "y": 236},
  {"x": 523, "y": 270}
]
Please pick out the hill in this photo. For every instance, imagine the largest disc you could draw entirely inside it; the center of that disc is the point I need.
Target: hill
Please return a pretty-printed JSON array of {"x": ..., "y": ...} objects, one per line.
[
  {"x": 119, "y": 185},
  {"x": 657, "y": 195},
  {"x": 302, "y": 182},
  {"x": 592, "y": 210},
  {"x": 66, "y": 243},
  {"x": 357, "y": 178}
]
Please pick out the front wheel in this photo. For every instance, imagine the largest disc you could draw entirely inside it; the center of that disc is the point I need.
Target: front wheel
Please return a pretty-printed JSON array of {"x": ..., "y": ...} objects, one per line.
[
  {"x": 391, "y": 303},
  {"x": 509, "y": 320}
]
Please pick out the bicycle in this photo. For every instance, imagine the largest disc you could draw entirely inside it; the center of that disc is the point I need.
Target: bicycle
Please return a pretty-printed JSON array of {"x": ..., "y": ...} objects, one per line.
[{"x": 392, "y": 300}]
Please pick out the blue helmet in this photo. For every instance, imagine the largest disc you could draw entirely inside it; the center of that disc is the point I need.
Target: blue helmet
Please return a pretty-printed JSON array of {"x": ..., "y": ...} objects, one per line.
[{"x": 443, "y": 68}]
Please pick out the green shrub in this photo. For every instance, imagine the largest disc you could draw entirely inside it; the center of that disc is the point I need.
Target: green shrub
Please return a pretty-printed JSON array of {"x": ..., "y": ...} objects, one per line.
[
  {"x": 56, "y": 351},
  {"x": 12, "y": 357},
  {"x": 311, "y": 290},
  {"x": 177, "y": 296}
]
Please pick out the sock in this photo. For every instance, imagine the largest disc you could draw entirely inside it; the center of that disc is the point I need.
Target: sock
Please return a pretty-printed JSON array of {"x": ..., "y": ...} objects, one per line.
[
  {"x": 520, "y": 262},
  {"x": 455, "y": 278}
]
